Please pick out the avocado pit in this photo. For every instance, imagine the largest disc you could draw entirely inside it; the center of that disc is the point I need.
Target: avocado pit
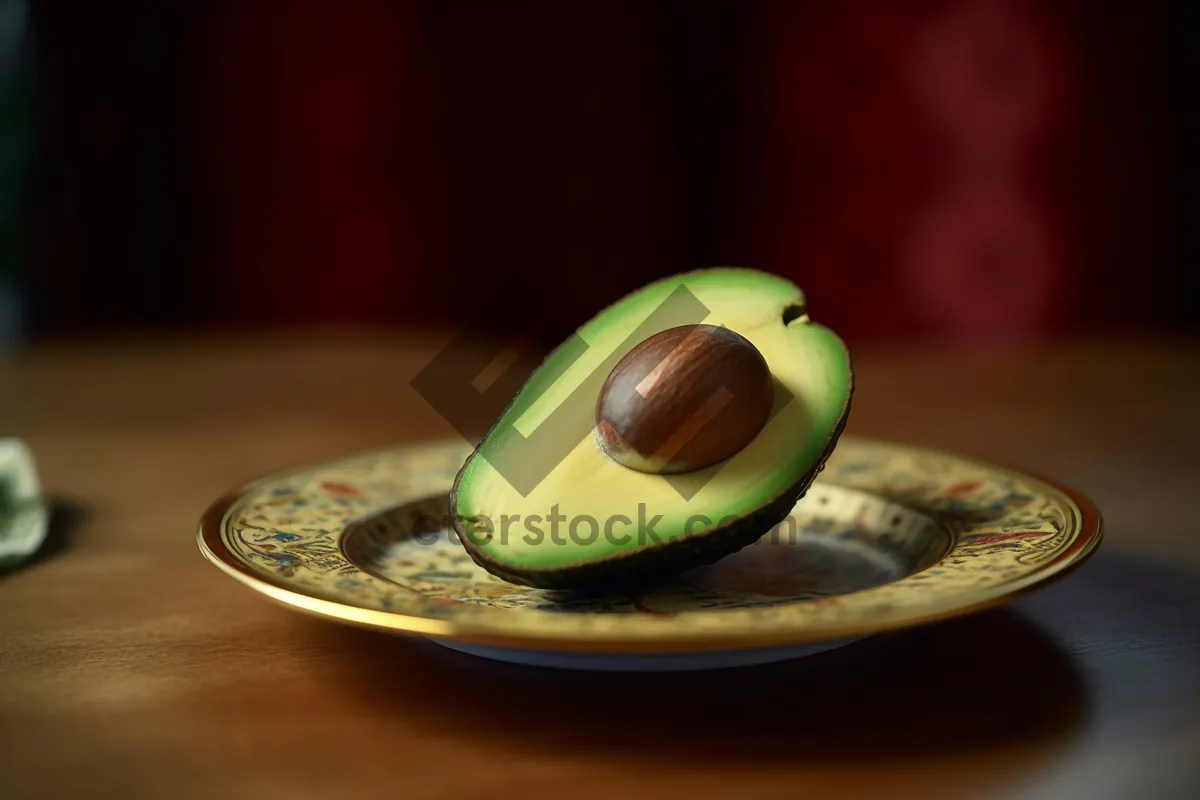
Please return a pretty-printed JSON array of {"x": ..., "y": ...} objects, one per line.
[{"x": 684, "y": 399}]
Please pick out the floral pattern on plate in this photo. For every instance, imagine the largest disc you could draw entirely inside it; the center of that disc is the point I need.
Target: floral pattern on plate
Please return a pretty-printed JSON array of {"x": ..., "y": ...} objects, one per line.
[{"x": 889, "y": 535}]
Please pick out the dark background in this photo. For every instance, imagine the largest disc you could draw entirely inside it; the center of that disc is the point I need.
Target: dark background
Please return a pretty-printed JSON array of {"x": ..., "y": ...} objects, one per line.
[{"x": 928, "y": 170}]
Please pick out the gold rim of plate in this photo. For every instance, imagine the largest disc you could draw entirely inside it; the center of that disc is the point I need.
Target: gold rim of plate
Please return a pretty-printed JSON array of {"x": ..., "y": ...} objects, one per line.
[{"x": 1009, "y": 533}]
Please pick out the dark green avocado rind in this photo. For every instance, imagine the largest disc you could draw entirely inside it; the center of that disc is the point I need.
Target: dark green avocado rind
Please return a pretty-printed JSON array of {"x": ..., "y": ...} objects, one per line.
[{"x": 657, "y": 562}]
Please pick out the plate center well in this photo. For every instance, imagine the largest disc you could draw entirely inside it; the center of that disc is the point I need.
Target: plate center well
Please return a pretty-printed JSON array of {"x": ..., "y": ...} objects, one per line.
[{"x": 835, "y": 541}]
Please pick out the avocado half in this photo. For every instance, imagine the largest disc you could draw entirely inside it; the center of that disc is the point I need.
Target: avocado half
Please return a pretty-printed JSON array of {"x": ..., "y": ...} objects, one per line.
[{"x": 539, "y": 503}]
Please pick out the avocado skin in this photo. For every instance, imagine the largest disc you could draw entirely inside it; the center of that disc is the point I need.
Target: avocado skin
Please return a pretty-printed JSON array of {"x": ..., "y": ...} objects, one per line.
[{"x": 659, "y": 562}]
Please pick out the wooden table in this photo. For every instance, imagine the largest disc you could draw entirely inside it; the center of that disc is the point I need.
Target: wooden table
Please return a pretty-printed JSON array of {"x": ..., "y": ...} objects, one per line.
[{"x": 129, "y": 667}]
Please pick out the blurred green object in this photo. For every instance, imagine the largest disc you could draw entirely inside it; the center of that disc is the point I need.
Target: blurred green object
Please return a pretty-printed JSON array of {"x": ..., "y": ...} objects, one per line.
[
  {"x": 16, "y": 146},
  {"x": 24, "y": 518}
]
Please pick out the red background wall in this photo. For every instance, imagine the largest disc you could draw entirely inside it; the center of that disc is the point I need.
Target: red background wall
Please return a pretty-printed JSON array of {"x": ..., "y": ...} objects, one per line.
[{"x": 923, "y": 168}]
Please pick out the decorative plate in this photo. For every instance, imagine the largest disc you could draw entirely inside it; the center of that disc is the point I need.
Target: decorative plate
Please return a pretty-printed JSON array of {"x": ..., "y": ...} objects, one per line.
[{"x": 889, "y": 537}]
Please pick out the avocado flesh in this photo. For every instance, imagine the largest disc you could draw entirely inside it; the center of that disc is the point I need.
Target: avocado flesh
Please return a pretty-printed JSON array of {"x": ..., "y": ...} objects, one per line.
[{"x": 736, "y": 501}]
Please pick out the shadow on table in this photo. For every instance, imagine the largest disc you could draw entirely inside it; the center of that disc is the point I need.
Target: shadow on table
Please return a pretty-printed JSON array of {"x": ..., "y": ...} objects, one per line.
[
  {"x": 986, "y": 681},
  {"x": 65, "y": 519}
]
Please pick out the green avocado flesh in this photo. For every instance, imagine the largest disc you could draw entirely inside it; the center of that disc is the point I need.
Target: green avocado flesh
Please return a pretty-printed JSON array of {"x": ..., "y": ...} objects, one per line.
[{"x": 540, "y": 503}]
